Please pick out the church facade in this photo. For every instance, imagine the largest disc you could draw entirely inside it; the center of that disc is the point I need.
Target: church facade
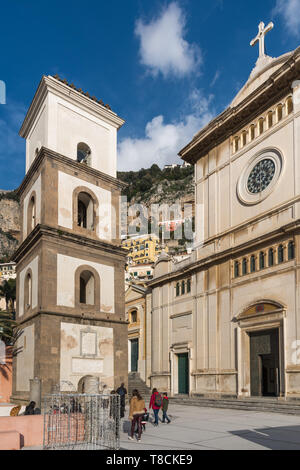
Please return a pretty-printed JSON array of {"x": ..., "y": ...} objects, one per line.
[
  {"x": 226, "y": 322},
  {"x": 70, "y": 266}
]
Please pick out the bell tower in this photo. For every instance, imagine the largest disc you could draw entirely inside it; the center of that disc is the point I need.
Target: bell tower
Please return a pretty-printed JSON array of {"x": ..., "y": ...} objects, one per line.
[{"x": 70, "y": 267}]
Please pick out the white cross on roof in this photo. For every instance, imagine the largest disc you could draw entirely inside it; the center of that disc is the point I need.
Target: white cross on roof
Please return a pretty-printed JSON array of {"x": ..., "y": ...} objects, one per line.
[{"x": 262, "y": 31}]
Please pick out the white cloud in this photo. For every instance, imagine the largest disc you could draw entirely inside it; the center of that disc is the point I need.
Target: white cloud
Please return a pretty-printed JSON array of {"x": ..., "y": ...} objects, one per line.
[
  {"x": 162, "y": 47},
  {"x": 163, "y": 141},
  {"x": 290, "y": 11}
]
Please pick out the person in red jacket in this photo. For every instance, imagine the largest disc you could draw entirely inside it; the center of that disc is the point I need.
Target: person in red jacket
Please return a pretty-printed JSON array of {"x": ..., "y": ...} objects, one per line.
[{"x": 155, "y": 404}]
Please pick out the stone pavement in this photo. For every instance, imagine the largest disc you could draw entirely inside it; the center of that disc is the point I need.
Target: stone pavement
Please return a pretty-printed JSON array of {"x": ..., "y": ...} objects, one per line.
[{"x": 195, "y": 428}]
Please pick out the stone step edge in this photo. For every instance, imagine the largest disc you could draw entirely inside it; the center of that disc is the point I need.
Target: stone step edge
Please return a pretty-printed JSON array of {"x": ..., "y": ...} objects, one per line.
[{"x": 237, "y": 402}]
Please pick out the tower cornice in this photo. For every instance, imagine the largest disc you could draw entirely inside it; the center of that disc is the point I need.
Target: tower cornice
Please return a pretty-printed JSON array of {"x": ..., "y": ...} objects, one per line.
[
  {"x": 45, "y": 153},
  {"x": 65, "y": 91},
  {"x": 42, "y": 231}
]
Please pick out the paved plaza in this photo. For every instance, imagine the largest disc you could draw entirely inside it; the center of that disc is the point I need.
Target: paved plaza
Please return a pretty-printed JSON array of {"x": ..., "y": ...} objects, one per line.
[{"x": 195, "y": 428}]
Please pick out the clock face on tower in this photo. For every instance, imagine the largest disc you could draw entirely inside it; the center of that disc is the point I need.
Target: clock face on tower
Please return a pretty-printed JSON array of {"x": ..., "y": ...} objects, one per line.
[{"x": 260, "y": 176}]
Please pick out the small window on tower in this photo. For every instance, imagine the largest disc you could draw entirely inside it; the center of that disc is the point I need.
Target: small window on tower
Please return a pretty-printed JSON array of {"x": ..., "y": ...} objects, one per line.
[
  {"x": 31, "y": 222},
  {"x": 28, "y": 291},
  {"x": 83, "y": 153}
]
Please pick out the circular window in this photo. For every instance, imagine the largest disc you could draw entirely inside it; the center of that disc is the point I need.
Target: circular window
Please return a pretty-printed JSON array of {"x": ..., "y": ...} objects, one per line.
[{"x": 259, "y": 177}]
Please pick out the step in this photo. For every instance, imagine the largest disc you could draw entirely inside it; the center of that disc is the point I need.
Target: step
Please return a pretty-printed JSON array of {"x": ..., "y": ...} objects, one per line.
[{"x": 241, "y": 404}]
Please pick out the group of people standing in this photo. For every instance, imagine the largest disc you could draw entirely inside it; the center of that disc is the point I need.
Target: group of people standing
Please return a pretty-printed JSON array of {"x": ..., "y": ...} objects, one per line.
[{"x": 138, "y": 410}]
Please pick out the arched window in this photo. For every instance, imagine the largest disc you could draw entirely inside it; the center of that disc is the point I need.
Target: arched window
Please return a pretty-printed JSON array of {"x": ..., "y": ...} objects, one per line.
[
  {"x": 280, "y": 254},
  {"x": 252, "y": 132},
  {"x": 291, "y": 250},
  {"x": 252, "y": 264},
  {"x": 85, "y": 211},
  {"x": 245, "y": 266},
  {"x": 177, "y": 289},
  {"x": 244, "y": 138},
  {"x": 31, "y": 214},
  {"x": 235, "y": 144},
  {"x": 260, "y": 126},
  {"x": 270, "y": 119},
  {"x": 87, "y": 288},
  {"x": 261, "y": 260},
  {"x": 271, "y": 257},
  {"x": 182, "y": 287},
  {"x": 83, "y": 153},
  {"x": 236, "y": 269},
  {"x": 188, "y": 286},
  {"x": 279, "y": 112},
  {"x": 28, "y": 291},
  {"x": 289, "y": 105}
]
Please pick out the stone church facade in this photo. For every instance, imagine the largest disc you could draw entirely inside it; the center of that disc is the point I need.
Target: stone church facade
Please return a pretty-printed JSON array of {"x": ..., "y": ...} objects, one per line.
[
  {"x": 226, "y": 322},
  {"x": 70, "y": 267}
]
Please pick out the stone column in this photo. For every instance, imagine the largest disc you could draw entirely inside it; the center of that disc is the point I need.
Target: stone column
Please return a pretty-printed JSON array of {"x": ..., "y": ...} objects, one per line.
[{"x": 35, "y": 391}]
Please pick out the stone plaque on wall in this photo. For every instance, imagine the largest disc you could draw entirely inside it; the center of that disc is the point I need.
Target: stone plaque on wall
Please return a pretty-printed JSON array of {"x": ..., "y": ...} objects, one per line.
[
  {"x": 88, "y": 343},
  {"x": 87, "y": 366}
]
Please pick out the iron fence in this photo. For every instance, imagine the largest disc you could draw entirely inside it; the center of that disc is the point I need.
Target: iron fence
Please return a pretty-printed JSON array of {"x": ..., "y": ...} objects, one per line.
[{"x": 81, "y": 421}]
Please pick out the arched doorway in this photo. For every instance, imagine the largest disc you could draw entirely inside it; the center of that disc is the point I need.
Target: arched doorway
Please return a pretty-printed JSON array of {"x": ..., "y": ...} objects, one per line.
[
  {"x": 260, "y": 350},
  {"x": 81, "y": 384}
]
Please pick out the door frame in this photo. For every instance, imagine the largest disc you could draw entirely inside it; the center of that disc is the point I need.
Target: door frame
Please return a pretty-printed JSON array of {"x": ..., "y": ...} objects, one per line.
[
  {"x": 269, "y": 321},
  {"x": 174, "y": 352}
]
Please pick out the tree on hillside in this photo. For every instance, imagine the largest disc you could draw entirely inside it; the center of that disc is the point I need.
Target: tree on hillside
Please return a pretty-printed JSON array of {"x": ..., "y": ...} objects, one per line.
[
  {"x": 7, "y": 322},
  {"x": 8, "y": 292}
]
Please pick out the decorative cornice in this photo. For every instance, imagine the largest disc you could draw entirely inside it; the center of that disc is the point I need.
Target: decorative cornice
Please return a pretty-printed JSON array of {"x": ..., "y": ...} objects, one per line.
[
  {"x": 218, "y": 258},
  {"x": 67, "y": 92},
  {"x": 80, "y": 167},
  {"x": 23, "y": 320},
  {"x": 45, "y": 231},
  {"x": 224, "y": 125}
]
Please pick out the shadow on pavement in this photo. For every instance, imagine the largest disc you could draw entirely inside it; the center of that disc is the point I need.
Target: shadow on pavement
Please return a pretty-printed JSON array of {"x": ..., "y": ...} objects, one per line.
[{"x": 275, "y": 438}]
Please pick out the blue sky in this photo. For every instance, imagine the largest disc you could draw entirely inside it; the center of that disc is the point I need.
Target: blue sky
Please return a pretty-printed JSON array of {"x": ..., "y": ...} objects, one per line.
[{"x": 166, "y": 67}]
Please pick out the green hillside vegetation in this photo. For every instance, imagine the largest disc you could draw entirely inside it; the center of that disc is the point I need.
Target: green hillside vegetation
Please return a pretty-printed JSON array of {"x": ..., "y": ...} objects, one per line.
[{"x": 156, "y": 186}]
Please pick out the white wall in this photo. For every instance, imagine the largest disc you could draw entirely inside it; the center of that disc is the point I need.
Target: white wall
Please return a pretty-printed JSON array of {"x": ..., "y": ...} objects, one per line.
[
  {"x": 25, "y": 359},
  {"x": 62, "y": 125},
  {"x": 86, "y": 350},
  {"x": 66, "y": 283},
  {"x": 37, "y": 136}
]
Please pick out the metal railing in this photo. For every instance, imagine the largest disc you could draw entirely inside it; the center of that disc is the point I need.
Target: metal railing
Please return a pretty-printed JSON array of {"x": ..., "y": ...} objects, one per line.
[{"x": 81, "y": 421}]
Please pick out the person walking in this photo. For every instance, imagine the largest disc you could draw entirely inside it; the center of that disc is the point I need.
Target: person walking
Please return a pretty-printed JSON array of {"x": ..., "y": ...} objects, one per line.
[
  {"x": 165, "y": 406},
  {"x": 155, "y": 404},
  {"x": 122, "y": 392},
  {"x": 136, "y": 413}
]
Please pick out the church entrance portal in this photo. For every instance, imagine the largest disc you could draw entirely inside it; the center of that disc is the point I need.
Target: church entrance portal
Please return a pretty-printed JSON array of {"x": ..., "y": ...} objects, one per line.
[{"x": 264, "y": 363}]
